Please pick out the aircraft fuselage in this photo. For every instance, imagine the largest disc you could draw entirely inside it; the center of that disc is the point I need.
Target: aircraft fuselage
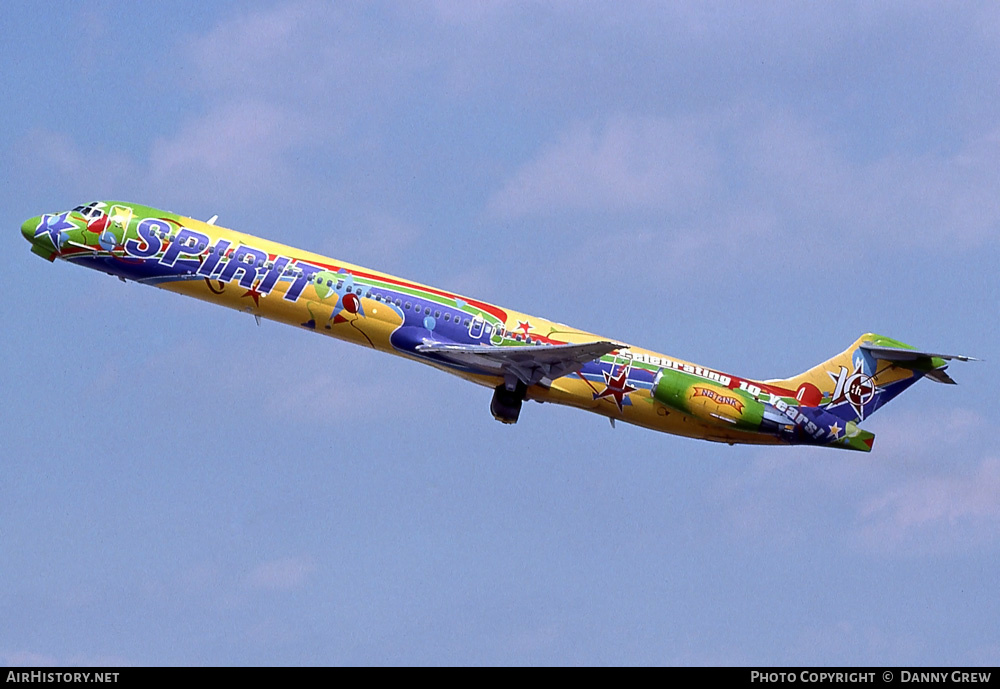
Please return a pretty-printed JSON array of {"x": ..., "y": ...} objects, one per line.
[{"x": 374, "y": 309}]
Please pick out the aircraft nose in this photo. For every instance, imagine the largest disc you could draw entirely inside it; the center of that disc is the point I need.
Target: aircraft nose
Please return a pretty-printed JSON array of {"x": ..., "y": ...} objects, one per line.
[{"x": 28, "y": 228}]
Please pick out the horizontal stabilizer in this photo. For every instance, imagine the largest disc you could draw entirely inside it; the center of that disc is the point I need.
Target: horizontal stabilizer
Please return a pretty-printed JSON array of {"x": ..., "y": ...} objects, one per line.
[{"x": 901, "y": 354}]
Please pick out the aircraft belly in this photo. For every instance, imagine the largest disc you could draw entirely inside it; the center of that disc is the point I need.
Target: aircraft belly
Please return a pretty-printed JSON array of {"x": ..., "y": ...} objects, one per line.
[{"x": 643, "y": 411}]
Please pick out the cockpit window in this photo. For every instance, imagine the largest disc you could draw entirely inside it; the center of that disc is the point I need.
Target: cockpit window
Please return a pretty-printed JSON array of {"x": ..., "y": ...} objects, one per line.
[{"x": 90, "y": 210}]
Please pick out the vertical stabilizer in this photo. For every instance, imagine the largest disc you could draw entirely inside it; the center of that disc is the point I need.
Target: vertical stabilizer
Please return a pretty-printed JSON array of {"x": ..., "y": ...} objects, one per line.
[{"x": 866, "y": 375}]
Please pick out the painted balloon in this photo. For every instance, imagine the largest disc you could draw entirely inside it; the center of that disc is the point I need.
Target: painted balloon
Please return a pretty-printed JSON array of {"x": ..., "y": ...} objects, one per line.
[
  {"x": 351, "y": 303},
  {"x": 97, "y": 225},
  {"x": 809, "y": 395},
  {"x": 108, "y": 240}
]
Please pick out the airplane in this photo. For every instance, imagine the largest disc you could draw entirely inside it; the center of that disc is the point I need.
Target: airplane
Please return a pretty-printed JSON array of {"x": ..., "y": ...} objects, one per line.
[{"x": 520, "y": 357}]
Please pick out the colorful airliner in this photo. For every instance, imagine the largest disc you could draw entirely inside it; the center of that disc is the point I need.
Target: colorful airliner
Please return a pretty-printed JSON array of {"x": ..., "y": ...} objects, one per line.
[{"x": 519, "y": 356}]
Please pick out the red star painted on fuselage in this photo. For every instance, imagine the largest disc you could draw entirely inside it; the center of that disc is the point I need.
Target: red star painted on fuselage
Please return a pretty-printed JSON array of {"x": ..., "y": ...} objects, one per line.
[
  {"x": 253, "y": 294},
  {"x": 616, "y": 387},
  {"x": 524, "y": 326}
]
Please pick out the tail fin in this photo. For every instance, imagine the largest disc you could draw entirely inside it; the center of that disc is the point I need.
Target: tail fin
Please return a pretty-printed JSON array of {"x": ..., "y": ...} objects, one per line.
[{"x": 869, "y": 373}]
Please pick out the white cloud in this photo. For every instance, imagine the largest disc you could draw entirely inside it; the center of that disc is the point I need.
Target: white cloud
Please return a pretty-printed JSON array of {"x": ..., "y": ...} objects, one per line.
[
  {"x": 776, "y": 496},
  {"x": 299, "y": 77},
  {"x": 253, "y": 50},
  {"x": 626, "y": 165},
  {"x": 80, "y": 171},
  {"x": 783, "y": 172},
  {"x": 241, "y": 148},
  {"x": 915, "y": 494},
  {"x": 377, "y": 238},
  {"x": 312, "y": 379},
  {"x": 281, "y": 575},
  {"x": 943, "y": 512},
  {"x": 324, "y": 58},
  {"x": 911, "y": 197},
  {"x": 922, "y": 436}
]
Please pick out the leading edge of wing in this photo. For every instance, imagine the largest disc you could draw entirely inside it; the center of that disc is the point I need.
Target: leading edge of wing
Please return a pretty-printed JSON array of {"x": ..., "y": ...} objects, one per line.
[{"x": 530, "y": 364}]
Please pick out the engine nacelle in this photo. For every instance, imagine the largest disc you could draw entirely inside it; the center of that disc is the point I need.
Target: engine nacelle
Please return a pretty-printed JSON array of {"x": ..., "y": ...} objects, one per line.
[
  {"x": 708, "y": 400},
  {"x": 716, "y": 404}
]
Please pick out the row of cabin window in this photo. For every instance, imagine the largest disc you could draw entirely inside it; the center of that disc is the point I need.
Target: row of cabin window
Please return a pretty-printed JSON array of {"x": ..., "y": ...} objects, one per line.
[
  {"x": 340, "y": 283},
  {"x": 427, "y": 310},
  {"x": 520, "y": 337}
]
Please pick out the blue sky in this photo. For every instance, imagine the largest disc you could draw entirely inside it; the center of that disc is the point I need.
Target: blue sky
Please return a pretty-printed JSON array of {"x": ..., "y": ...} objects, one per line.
[{"x": 750, "y": 187}]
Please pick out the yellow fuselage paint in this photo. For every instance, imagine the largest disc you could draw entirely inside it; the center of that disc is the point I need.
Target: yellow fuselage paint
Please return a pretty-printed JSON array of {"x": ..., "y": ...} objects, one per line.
[{"x": 379, "y": 322}]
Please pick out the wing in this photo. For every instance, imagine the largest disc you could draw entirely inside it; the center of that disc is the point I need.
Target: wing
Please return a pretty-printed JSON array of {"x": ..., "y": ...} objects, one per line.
[{"x": 529, "y": 364}]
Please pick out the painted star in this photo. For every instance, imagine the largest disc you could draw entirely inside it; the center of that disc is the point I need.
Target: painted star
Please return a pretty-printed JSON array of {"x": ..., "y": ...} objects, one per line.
[
  {"x": 525, "y": 326},
  {"x": 856, "y": 388},
  {"x": 617, "y": 387},
  {"x": 253, "y": 294},
  {"x": 54, "y": 226},
  {"x": 835, "y": 431}
]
